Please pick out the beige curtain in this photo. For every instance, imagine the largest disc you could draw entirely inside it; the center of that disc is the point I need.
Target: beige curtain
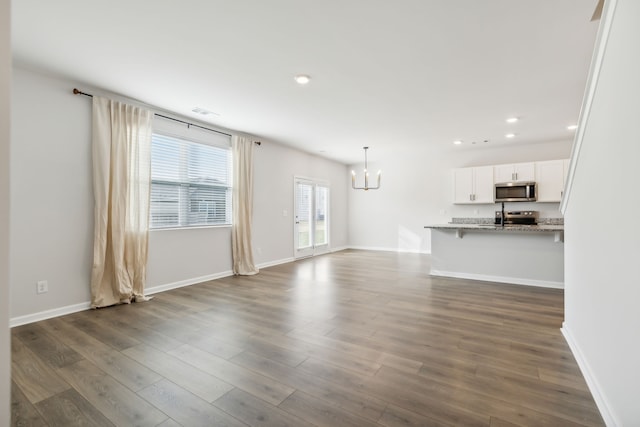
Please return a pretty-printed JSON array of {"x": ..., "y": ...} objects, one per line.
[
  {"x": 121, "y": 182},
  {"x": 242, "y": 251}
]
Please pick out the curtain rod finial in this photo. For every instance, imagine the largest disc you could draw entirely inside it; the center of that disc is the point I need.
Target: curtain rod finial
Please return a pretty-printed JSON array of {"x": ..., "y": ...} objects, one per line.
[
  {"x": 257, "y": 142},
  {"x": 79, "y": 92}
]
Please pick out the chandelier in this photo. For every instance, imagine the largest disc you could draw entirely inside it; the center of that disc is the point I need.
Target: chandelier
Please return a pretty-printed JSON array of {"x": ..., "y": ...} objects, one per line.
[{"x": 366, "y": 176}]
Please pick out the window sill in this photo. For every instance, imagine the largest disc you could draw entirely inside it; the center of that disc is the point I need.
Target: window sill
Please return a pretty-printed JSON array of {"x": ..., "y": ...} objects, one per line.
[{"x": 195, "y": 227}]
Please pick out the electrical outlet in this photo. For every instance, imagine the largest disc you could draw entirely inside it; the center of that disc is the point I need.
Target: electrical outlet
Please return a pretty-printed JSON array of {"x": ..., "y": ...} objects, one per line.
[{"x": 42, "y": 287}]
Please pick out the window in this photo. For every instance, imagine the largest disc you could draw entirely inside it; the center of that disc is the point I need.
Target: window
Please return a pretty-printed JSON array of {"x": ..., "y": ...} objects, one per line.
[{"x": 190, "y": 183}]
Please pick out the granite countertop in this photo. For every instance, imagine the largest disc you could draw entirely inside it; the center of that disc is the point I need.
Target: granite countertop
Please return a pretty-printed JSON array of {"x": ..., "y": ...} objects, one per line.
[
  {"x": 460, "y": 223},
  {"x": 493, "y": 227}
]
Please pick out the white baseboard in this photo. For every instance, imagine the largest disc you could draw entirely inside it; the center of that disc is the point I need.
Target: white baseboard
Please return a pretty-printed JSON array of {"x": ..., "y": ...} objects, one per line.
[
  {"x": 187, "y": 282},
  {"x": 276, "y": 262},
  {"x": 383, "y": 249},
  {"x": 48, "y": 314},
  {"x": 57, "y": 312},
  {"x": 592, "y": 382},
  {"x": 498, "y": 279}
]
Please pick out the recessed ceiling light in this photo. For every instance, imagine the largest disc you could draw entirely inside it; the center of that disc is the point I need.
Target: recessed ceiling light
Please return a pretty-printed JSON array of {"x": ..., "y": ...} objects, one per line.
[
  {"x": 302, "y": 79},
  {"x": 457, "y": 142},
  {"x": 572, "y": 127},
  {"x": 510, "y": 135},
  {"x": 512, "y": 119}
]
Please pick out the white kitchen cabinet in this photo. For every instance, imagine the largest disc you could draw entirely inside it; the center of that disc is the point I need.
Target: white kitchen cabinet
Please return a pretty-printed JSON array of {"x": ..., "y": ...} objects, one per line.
[
  {"x": 473, "y": 185},
  {"x": 550, "y": 180},
  {"x": 515, "y": 172}
]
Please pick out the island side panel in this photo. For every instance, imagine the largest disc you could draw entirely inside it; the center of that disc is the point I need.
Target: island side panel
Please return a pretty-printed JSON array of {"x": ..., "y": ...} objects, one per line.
[{"x": 522, "y": 258}]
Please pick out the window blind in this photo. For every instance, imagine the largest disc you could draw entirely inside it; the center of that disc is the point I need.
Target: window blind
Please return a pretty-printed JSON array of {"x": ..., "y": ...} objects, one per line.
[{"x": 190, "y": 183}]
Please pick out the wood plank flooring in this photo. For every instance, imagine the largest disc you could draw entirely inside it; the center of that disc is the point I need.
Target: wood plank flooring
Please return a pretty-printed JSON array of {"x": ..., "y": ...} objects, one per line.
[{"x": 353, "y": 338}]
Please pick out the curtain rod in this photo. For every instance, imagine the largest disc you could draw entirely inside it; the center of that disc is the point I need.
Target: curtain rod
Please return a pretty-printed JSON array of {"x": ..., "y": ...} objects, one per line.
[{"x": 79, "y": 92}]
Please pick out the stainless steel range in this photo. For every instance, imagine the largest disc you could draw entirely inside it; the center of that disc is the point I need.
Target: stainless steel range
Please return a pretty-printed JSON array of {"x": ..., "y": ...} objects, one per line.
[{"x": 517, "y": 218}]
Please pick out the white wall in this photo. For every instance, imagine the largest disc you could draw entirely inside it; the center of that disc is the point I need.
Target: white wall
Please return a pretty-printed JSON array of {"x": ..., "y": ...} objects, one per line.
[
  {"x": 275, "y": 168},
  {"x": 417, "y": 190},
  {"x": 5, "y": 109},
  {"x": 208, "y": 255},
  {"x": 51, "y": 197},
  {"x": 52, "y": 204},
  {"x": 602, "y": 249},
  {"x": 190, "y": 256}
]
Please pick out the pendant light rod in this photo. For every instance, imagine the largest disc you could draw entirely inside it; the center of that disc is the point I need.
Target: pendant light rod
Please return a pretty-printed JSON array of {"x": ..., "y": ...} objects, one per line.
[{"x": 366, "y": 175}]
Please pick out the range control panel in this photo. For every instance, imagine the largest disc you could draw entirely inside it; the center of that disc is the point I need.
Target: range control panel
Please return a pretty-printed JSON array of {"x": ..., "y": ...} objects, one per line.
[{"x": 517, "y": 217}]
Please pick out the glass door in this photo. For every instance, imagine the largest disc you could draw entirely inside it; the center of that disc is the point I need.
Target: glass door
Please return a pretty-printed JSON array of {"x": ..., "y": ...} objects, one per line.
[
  {"x": 303, "y": 219},
  {"x": 311, "y": 219}
]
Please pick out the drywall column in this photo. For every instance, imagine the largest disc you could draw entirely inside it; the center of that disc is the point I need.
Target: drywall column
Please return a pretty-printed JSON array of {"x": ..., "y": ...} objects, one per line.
[
  {"x": 602, "y": 248},
  {"x": 5, "y": 82}
]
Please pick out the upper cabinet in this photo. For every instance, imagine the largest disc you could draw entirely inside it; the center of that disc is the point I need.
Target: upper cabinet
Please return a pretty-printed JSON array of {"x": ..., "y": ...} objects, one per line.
[
  {"x": 476, "y": 184},
  {"x": 515, "y": 172},
  {"x": 550, "y": 180},
  {"x": 473, "y": 185}
]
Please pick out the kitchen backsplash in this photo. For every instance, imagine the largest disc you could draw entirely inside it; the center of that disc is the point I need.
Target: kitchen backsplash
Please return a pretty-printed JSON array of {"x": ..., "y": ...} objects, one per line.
[
  {"x": 551, "y": 221},
  {"x": 472, "y": 220}
]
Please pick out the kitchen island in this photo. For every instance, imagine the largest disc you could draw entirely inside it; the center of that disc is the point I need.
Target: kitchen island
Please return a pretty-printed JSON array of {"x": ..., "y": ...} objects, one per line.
[{"x": 520, "y": 254}]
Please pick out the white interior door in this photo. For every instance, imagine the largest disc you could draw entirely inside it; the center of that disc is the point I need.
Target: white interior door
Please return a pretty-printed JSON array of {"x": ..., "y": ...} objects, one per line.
[{"x": 311, "y": 219}]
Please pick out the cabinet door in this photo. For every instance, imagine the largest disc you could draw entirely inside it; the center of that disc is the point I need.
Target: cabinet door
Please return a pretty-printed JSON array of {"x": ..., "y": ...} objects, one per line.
[
  {"x": 463, "y": 185},
  {"x": 524, "y": 172},
  {"x": 515, "y": 172},
  {"x": 483, "y": 184},
  {"x": 550, "y": 180},
  {"x": 503, "y": 173}
]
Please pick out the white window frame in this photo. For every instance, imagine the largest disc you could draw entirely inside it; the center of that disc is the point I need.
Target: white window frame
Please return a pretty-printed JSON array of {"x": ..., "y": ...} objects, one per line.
[
  {"x": 313, "y": 249},
  {"x": 192, "y": 135}
]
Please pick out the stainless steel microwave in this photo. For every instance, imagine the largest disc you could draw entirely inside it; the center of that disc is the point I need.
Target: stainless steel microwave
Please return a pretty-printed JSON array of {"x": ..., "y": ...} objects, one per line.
[{"x": 515, "y": 192}]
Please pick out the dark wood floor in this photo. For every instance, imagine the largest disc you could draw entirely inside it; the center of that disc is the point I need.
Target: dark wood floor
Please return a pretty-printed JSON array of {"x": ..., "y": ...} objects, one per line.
[{"x": 348, "y": 339}]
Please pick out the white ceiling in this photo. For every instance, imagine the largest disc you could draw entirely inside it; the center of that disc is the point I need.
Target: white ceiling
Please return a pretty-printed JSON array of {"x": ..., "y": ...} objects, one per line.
[{"x": 388, "y": 74}]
